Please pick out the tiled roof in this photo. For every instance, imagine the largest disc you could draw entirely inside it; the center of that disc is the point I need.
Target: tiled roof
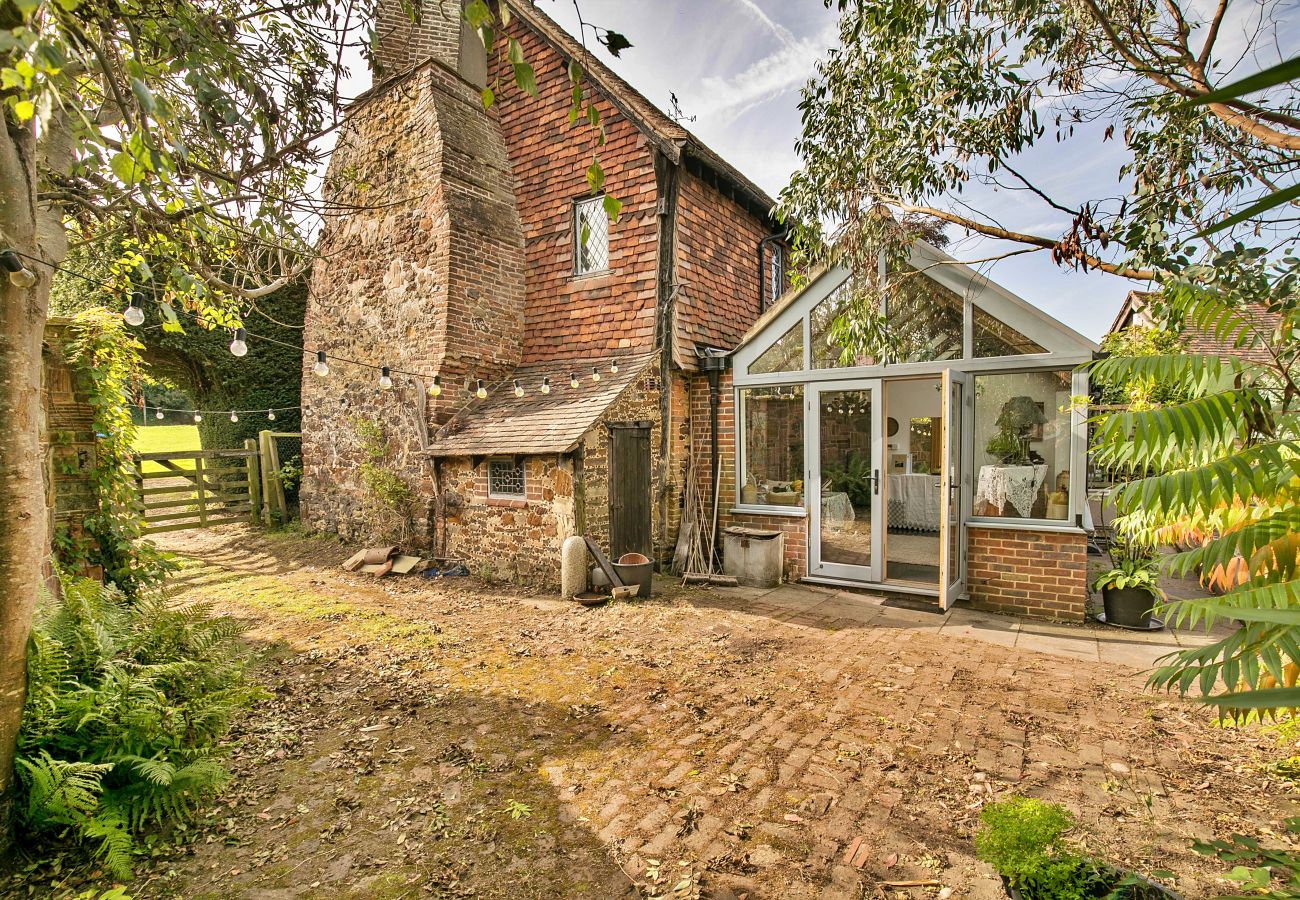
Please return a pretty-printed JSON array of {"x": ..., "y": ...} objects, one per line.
[
  {"x": 506, "y": 425},
  {"x": 669, "y": 133},
  {"x": 1197, "y": 340}
]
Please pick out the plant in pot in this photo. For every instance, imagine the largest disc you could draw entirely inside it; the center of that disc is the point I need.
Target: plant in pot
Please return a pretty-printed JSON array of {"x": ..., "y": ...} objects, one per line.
[
  {"x": 1016, "y": 423},
  {"x": 1024, "y": 841},
  {"x": 1129, "y": 589}
]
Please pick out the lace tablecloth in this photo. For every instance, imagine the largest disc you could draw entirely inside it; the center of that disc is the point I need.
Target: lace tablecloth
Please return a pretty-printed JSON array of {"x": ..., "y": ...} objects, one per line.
[
  {"x": 1017, "y": 485},
  {"x": 914, "y": 502}
]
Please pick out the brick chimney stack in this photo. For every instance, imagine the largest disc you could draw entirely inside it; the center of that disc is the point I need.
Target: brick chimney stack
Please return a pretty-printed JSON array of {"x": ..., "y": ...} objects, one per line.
[{"x": 410, "y": 32}]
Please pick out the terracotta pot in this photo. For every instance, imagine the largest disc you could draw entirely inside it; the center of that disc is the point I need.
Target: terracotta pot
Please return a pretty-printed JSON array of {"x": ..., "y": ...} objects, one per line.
[{"x": 1128, "y": 607}]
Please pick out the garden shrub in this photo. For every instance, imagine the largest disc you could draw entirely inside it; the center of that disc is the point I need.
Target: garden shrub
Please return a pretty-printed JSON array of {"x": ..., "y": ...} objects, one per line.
[
  {"x": 127, "y": 701},
  {"x": 1022, "y": 840}
]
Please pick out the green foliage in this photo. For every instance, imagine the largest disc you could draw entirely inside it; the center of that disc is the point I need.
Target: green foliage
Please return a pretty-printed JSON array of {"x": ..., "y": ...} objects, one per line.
[
  {"x": 1141, "y": 390},
  {"x": 1022, "y": 839},
  {"x": 126, "y": 704},
  {"x": 1269, "y": 873},
  {"x": 390, "y": 497},
  {"x": 107, "y": 359},
  {"x": 853, "y": 478}
]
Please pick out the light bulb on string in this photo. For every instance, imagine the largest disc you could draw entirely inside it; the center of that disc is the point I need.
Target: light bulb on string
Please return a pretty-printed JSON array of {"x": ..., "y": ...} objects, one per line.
[
  {"x": 197, "y": 418},
  {"x": 595, "y": 374},
  {"x": 613, "y": 368},
  {"x": 239, "y": 347},
  {"x": 435, "y": 389},
  {"x": 573, "y": 379},
  {"x": 233, "y": 417},
  {"x": 385, "y": 379},
  {"x": 158, "y": 414},
  {"x": 546, "y": 385},
  {"x": 321, "y": 368},
  {"x": 480, "y": 391},
  {"x": 270, "y": 415},
  {"x": 519, "y": 388},
  {"x": 19, "y": 275},
  {"x": 134, "y": 315}
]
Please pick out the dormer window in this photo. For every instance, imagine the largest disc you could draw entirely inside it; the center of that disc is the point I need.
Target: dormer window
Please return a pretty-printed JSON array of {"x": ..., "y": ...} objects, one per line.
[{"x": 590, "y": 236}]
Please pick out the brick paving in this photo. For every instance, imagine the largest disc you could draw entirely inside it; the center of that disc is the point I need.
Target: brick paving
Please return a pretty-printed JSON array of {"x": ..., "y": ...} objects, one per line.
[{"x": 796, "y": 742}]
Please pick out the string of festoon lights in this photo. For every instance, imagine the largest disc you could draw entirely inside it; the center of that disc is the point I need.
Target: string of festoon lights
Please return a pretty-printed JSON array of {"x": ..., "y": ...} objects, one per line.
[{"x": 11, "y": 262}]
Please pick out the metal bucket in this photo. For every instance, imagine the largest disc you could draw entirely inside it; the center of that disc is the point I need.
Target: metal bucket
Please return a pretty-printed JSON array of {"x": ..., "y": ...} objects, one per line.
[{"x": 633, "y": 568}]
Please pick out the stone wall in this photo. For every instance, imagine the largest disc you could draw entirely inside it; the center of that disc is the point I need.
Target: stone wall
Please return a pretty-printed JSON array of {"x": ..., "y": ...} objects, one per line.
[
  {"x": 1030, "y": 573},
  {"x": 515, "y": 540},
  {"x": 68, "y": 440},
  {"x": 422, "y": 269}
]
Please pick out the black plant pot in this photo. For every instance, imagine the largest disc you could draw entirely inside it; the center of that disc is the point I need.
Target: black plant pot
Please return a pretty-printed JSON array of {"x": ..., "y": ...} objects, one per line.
[
  {"x": 1128, "y": 607},
  {"x": 1142, "y": 889}
]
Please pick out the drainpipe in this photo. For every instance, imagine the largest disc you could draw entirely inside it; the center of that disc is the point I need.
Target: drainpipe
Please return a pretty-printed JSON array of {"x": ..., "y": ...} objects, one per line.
[
  {"x": 762, "y": 270},
  {"x": 713, "y": 363}
]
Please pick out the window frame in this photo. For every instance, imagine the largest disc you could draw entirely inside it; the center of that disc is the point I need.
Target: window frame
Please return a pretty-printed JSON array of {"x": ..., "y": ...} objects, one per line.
[
  {"x": 523, "y": 478},
  {"x": 578, "y": 205},
  {"x": 1078, "y": 442},
  {"x": 741, "y": 463},
  {"x": 776, "y": 273}
]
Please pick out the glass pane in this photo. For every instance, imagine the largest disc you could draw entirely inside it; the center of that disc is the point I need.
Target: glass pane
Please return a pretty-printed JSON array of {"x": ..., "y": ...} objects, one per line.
[
  {"x": 591, "y": 236},
  {"x": 825, "y": 352},
  {"x": 1022, "y": 445},
  {"x": 925, "y": 319},
  {"x": 913, "y": 461},
  {"x": 848, "y": 482},
  {"x": 786, "y": 355},
  {"x": 772, "y": 444},
  {"x": 991, "y": 337}
]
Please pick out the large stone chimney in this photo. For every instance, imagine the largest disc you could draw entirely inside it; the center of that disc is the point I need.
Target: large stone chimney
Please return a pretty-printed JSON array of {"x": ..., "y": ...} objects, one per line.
[
  {"x": 420, "y": 267},
  {"x": 411, "y": 32}
]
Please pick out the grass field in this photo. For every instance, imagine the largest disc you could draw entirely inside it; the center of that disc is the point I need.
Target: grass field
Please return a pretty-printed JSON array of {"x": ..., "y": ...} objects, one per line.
[{"x": 162, "y": 438}]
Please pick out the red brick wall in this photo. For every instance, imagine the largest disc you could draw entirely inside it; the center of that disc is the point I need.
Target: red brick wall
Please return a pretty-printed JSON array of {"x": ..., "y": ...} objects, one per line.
[
  {"x": 717, "y": 265},
  {"x": 1031, "y": 573},
  {"x": 566, "y": 316}
]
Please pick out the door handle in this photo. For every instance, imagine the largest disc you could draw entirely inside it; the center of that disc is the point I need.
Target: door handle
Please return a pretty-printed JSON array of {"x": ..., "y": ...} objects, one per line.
[{"x": 875, "y": 481}]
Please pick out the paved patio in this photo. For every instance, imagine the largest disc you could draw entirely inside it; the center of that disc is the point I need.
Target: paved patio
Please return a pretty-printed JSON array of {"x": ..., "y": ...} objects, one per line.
[{"x": 834, "y": 609}]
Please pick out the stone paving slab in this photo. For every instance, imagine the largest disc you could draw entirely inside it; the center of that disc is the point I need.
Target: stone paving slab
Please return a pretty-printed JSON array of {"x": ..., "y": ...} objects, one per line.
[{"x": 814, "y": 606}]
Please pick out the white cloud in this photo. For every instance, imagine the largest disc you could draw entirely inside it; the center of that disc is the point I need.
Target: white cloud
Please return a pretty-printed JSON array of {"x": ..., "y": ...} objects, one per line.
[
  {"x": 756, "y": 12},
  {"x": 725, "y": 97}
]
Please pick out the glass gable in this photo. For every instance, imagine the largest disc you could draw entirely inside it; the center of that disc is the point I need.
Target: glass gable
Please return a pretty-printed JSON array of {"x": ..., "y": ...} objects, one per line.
[
  {"x": 786, "y": 355},
  {"x": 935, "y": 314},
  {"x": 992, "y": 337}
]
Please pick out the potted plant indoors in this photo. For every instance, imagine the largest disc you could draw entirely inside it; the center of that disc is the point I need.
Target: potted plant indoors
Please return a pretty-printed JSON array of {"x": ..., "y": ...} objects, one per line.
[
  {"x": 1018, "y": 422},
  {"x": 1129, "y": 589},
  {"x": 1023, "y": 840}
]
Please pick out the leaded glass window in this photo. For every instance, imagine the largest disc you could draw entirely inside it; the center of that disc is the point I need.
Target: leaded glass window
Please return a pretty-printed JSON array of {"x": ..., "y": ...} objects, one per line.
[
  {"x": 590, "y": 236},
  {"x": 506, "y": 478}
]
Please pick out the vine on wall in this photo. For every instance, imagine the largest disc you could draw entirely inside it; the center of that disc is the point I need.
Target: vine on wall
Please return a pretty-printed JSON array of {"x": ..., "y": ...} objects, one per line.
[
  {"x": 106, "y": 357},
  {"x": 390, "y": 497}
]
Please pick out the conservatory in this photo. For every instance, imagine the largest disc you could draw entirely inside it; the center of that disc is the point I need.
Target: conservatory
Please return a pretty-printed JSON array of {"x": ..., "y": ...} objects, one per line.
[{"x": 955, "y": 468}]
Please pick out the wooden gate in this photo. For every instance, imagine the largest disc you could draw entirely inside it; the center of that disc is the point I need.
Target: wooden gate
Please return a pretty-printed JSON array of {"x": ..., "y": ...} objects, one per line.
[
  {"x": 198, "y": 488},
  {"x": 629, "y": 488}
]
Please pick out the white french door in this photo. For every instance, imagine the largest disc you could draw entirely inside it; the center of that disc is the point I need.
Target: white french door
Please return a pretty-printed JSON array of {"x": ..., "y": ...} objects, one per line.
[
  {"x": 953, "y": 489},
  {"x": 844, "y": 490}
]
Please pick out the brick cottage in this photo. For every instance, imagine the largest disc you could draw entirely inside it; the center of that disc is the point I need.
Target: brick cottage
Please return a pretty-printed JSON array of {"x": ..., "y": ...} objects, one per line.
[{"x": 562, "y": 357}]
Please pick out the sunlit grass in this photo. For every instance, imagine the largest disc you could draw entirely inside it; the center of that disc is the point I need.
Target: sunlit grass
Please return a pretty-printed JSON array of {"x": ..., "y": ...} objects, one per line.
[{"x": 165, "y": 438}]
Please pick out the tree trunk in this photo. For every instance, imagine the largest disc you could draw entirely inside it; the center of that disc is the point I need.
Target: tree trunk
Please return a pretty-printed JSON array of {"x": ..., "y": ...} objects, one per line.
[{"x": 24, "y": 516}]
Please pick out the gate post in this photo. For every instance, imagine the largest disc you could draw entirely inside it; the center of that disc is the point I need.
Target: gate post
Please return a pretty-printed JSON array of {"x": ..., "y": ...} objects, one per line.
[{"x": 254, "y": 481}]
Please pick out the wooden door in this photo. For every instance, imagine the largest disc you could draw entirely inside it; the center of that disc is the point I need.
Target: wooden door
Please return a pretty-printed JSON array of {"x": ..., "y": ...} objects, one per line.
[{"x": 629, "y": 489}]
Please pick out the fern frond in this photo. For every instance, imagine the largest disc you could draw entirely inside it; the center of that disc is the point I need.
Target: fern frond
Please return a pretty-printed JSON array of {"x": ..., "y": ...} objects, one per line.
[{"x": 59, "y": 792}]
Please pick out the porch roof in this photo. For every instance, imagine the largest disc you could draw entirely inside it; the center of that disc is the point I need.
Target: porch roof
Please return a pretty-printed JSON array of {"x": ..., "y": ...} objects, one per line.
[{"x": 536, "y": 423}]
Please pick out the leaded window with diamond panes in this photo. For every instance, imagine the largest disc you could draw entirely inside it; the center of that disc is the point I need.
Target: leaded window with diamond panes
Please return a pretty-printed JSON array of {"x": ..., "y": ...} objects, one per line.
[
  {"x": 590, "y": 236},
  {"x": 506, "y": 478}
]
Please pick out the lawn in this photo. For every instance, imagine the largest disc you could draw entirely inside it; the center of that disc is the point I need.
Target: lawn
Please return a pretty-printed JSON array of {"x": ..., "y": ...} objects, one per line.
[{"x": 163, "y": 438}]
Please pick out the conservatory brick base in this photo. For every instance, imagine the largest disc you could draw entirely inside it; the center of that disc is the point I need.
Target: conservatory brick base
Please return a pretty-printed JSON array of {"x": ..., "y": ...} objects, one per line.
[{"x": 1029, "y": 573}]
